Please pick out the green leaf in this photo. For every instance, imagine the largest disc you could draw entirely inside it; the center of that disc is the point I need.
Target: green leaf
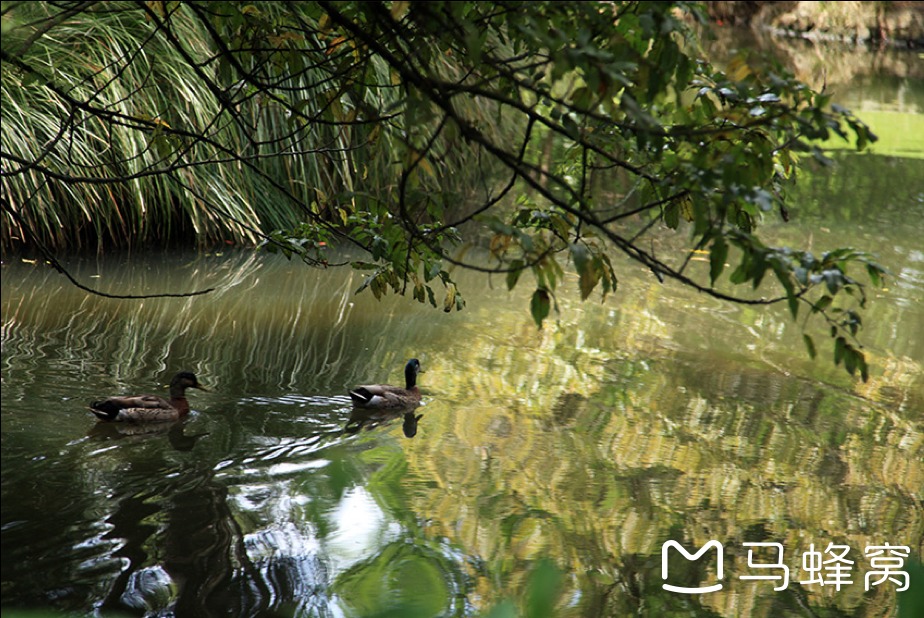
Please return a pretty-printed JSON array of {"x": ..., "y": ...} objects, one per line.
[
  {"x": 718, "y": 253},
  {"x": 433, "y": 270},
  {"x": 589, "y": 269},
  {"x": 571, "y": 128},
  {"x": 759, "y": 268},
  {"x": 853, "y": 321},
  {"x": 580, "y": 255},
  {"x": 740, "y": 274},
  {"x": 809, "y": 345},
  {"x": 834, "y": 279},
  {"x": 793, "y": 301},
  {"x": 672, "y": 215},
  {"x": 540, "y": 306},
  {"x": 610, "y": 282},
  {"x": 840, "y": 348},
  {"x": 875, "y": 274},
  {"x": 822, "y": 303},
  {"x": 513, "y": 275},
  {"x": 850, "y": 359},
  {"x": 864, "y": 367}
]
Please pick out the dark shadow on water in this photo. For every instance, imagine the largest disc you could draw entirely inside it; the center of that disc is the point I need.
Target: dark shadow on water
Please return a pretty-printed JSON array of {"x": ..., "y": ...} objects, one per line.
[{"x": 202, "y": 567}]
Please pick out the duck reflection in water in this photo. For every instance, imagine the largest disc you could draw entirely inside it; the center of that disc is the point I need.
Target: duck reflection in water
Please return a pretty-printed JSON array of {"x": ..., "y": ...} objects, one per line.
[
  {"x": 136, "y": 432},
  {"x": 361, "y": 417}
]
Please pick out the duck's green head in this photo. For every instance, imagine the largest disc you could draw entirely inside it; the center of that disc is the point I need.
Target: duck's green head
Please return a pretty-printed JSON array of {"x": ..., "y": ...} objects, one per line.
[{"x": 410, "y": 372}]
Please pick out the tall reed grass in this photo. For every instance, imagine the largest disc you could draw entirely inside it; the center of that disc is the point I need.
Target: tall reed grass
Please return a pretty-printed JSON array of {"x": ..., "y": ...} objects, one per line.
[{"x": 75, "y": 180}]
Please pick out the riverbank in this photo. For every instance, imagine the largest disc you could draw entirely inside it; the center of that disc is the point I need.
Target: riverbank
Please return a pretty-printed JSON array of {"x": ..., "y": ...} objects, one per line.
[{"x": 873, "y": 23}]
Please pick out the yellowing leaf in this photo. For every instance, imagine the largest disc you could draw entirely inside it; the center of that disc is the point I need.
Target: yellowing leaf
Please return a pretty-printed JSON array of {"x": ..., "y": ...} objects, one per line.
[
  {"x": 399, "y": 10},
  {"x": 332, "y": 47},
  {"x": 686, "y": 209},
  {"x": 425, "y": 166},
  {"x": 738, "y": 69}
]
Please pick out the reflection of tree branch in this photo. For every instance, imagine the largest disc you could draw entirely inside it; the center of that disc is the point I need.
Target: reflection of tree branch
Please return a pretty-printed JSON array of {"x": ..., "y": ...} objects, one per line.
[
  {"x": 127, "y": 521},
  {"x": 51, "y": 259},
  {"x": 202, "y": 544}
]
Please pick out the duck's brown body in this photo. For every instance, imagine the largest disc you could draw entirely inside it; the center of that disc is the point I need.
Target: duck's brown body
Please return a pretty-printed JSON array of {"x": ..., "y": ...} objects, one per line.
[
  {"x": 149, "y": 408},
  {"x": 384, "y": 396}
]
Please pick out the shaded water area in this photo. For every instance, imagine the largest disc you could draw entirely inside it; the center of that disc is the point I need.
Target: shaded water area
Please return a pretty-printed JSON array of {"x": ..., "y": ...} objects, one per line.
[{"x": 564, "y": 457}]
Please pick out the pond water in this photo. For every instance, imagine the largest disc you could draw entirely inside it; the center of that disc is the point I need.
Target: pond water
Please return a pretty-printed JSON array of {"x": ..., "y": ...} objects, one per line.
[{"x": 548, "y": 469}]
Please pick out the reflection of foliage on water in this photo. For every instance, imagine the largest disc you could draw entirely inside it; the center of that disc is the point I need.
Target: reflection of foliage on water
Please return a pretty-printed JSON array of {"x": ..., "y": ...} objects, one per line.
[
  {"x": 235, "y": 332},
  {"x": 866, "y": 76},
  {"x": 598, "y": 476},
  {"x": 641, "y": 420},
  {"x": 404, "y": 578}
]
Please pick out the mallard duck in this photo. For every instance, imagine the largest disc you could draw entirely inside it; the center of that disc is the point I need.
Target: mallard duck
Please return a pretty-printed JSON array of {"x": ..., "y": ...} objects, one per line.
[
  {"x": 149, "y": 408},
  {"x": 386, "y": 396}
]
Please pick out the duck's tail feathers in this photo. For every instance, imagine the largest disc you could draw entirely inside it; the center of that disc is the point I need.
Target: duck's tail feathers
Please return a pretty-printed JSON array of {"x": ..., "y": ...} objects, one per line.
[
  {"x": 361, "y": 396},
  {"x": 104, "y": 410}
]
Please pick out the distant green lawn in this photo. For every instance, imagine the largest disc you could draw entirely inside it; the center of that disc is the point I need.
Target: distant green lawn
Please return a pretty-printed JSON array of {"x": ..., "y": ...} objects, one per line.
[{"x": 901, "y": 134}]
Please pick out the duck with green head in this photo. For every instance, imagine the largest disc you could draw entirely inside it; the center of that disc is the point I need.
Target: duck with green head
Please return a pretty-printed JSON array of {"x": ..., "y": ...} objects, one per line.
[
  {"x": 387, "y": 396},
  {"x": 149, "y": 408}
]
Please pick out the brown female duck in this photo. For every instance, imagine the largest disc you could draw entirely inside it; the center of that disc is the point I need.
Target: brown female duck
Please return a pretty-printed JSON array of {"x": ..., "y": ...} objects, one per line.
[
  {"x": 387, "y": 396},
  {"x": 149, "y": 408}
]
